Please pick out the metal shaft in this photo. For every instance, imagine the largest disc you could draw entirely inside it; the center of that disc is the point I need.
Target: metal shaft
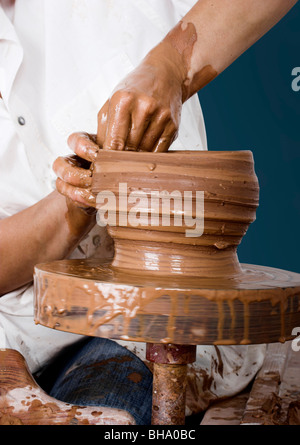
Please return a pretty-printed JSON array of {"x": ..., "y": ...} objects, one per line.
[{"x": 169, "y": 381}]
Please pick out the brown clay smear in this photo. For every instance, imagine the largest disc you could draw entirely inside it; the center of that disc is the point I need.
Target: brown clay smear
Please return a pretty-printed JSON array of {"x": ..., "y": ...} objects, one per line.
[
  {"x": 86, "y": 305},
  {"x": 202, "y": 78},
  {"x": 77, "y": 219},
  {"x": 135, "y": 377},
  {"x": 183, "y": 38},
  {"x": 23, "y": 402}
]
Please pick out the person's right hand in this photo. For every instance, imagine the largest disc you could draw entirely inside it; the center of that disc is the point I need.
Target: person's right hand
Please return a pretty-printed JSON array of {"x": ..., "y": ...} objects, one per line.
[{"x": 143, "y": 113}]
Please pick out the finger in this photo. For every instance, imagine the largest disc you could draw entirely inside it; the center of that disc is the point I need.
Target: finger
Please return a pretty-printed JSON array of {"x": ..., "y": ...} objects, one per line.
[
  {"x": 155, "y": 130},
  {"x": 166, "y": 139},
  {"x": 84, "y": 145},
  {"x": 119, "y": 120},
  {"x": 68, "y": 169},
  {"x": 102, "y": 124},
  {"x": 142, "y": 115},
  {"x": 162, "y": 145},
  {"x": 138, "y": 127},
  {"x": 80, "y": 196},
  {"x": 77, "y": 161}
]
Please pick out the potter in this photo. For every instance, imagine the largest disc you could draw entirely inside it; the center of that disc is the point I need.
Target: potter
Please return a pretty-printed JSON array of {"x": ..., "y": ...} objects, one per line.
[{"x": 131, "y": 93}]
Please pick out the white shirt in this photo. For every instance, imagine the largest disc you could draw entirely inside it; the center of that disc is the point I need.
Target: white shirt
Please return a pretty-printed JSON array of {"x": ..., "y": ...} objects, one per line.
[{"x": 59, "y": 62}]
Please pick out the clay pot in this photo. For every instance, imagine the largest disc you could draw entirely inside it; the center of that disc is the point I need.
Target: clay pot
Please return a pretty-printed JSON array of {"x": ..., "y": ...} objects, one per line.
[{"x": 190, "y": 237}]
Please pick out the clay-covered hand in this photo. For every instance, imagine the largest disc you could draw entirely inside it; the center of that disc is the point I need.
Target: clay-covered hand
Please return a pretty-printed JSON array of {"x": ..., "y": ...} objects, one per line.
[
  {"x": 143, "y": 113},
  {"x": 74, "y": 174}
]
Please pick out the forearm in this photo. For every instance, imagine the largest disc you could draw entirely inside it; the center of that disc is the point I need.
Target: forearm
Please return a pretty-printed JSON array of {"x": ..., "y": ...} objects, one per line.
[
  {"x": 46, "y": 231},
  {"x": 213, "y": 34}
]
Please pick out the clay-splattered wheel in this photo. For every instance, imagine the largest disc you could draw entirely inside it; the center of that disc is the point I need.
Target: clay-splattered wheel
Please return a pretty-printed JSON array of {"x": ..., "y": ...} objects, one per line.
[
  {"x": 163, "y": 286},
  {"x": 261, "y": 305}
]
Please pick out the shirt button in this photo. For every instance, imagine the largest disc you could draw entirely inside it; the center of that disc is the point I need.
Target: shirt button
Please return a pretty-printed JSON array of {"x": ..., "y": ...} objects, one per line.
[{"x": 21, "y": 120}]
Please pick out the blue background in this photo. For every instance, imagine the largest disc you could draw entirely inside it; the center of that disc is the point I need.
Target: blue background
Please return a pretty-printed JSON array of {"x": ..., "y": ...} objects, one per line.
[{"x": 252, "y": 106}]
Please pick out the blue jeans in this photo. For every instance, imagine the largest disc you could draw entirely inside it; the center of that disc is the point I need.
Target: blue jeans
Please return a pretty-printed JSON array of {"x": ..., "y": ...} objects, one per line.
[{"x": 100, "y": 372}]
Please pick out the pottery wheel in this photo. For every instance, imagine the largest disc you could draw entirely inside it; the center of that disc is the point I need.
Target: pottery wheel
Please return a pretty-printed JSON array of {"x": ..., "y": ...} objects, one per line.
[
  {"x": 261, "y": 305},
  {"x": 163, "y": 287}
]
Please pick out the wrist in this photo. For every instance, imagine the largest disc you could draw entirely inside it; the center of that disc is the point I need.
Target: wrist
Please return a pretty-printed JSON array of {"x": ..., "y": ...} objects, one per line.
[
  {"x": 177, "y": 52},
  {"x": 75, "y": 221},
  {"x": 170, "y": 64},
  {"x": 79, "y": 215}
]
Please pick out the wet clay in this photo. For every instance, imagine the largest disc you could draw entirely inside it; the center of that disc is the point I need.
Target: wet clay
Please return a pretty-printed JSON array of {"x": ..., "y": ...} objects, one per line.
[
  {"x": 230, "y": 194},
  {"x": 200, "y": 79},
  {"x": 23, "y": 402},
  {"x": 183, "y": 38},
  {"x": 165, "y": 287},
  {"x": 135, "y": 377},
  {"x": 88, "y": 298}
]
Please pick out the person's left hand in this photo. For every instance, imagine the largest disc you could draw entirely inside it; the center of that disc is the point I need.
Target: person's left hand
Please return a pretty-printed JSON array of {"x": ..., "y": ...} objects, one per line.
[{"x": 74, "y": 175}]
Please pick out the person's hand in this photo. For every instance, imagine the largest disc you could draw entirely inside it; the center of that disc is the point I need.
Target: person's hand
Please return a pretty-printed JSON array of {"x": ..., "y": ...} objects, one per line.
[
  {"x": 74, "y": 174},
  {"x": 143, "y": 113}
]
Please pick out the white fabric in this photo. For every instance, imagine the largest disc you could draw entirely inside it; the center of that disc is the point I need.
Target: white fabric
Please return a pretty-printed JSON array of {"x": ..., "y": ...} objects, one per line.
[{"x": 59, "y": 62}]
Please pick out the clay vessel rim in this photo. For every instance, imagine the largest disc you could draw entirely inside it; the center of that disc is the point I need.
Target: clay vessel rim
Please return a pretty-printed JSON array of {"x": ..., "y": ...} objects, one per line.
[{"x": 178, "y": 152}]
